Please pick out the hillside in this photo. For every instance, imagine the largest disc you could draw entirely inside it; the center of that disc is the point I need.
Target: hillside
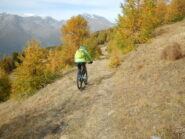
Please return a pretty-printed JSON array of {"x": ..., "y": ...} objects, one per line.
[
  {"x": 144, "y": 97},
  {"x": 16, "y": 30}
]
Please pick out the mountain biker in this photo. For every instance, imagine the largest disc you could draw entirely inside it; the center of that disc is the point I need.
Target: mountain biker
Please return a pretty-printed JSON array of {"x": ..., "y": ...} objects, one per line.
[{"x": 81, "y": 57}]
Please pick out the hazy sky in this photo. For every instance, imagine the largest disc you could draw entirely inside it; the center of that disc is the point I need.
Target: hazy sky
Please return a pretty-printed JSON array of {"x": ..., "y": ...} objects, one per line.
[{"x": 62, "y": 9}]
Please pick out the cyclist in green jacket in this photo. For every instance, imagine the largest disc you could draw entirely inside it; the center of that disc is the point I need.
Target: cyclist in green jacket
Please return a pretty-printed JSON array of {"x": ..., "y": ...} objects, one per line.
[{"x": 81, "y": 57}]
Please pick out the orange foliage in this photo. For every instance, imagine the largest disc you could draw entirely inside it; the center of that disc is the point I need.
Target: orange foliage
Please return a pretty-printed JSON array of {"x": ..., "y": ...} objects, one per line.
[
  {"x": 31, "y": 74},
  {"x": 74, "y": 31},
  {"x": 54, "y": 61},
  {"x": 67, "y": 55},
  {"x": 176, "y": 11},
  {"x": 161, "y": 10}
]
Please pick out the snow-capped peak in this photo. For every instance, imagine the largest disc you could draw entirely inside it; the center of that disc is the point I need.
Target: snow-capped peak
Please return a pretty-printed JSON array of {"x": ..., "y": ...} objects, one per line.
[
  {"x": 88, "y": 15},
  {"x": 34, "y": 15}
]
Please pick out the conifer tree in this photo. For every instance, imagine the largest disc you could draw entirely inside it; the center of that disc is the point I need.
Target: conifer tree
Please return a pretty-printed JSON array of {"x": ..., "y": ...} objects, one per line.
[
  {"x": 5, "y": 86},
  {"x": 128, "y": 25},
  {"x": 54, "y": 64},
  {"x": 8, "y": 63},
  {"x": 67, "y": 55},
  {"x": 136, "y": 23},
  {"x": 148, "y": 19},
  {"x": 161, "y": 11},
  {"x": 30, "y": 75},
  {"x": 75, "y": 31},
  {"x": 92, "y": 46},
  {"x": 176, "y": 11}
]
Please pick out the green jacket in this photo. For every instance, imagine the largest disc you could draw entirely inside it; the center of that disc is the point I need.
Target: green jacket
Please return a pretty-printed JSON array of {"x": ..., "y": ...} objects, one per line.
[{"x": 82, "y": 55}]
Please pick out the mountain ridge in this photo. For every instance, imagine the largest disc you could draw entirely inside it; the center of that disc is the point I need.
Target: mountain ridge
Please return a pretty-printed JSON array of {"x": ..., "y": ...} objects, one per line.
[{"x": 15, "y": 30}]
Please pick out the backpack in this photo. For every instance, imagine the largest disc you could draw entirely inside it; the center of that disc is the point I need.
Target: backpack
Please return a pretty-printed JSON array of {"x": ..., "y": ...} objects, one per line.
[{"x": 80, "y": 54}]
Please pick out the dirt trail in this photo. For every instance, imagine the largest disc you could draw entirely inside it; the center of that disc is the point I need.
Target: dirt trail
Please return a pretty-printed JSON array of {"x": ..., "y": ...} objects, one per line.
[
  {"x": 60, "y": 108},
  {"x": 144, "y": 97}
]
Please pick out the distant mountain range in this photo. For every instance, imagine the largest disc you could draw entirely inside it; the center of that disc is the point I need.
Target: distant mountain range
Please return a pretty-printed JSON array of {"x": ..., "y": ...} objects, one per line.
[{"x": 16, "y": 30}]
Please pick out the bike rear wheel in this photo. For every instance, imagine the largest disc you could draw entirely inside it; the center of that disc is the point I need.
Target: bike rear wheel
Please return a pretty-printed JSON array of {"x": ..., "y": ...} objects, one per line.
[{"x": 82, "y": 78}]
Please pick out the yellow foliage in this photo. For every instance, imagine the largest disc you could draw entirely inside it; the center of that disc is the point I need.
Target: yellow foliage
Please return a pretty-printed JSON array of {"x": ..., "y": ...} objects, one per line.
[
  {"x": 148, "y": 20},
  {"x": 54, "y": 64},
  {"x": 136, "y": 23},
  {"x": 74, "y": 31},
  {"x": 115, "y": 58},
  {"x": 92, "y": 47},
  {"x": 31, "y": 74},
  {"x": 61, "y": 58},
  {"x": 7, "y": 63},
  {"x": 5, "y": 86},
  {"x": 161, "y": 11},
  {"x": 139, "y": 18},
  {"x": 128, "y": 24},
  {"x": 102, "y": 37},
  {"x": 176, "y": 11},
  {"x": 67, "y": 55}
]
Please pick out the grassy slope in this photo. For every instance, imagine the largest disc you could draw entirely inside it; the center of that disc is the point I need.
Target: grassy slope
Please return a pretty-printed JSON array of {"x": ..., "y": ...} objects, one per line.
[
  {"x": 151, "y": 94},
  {"x": 144, "y": 97}
]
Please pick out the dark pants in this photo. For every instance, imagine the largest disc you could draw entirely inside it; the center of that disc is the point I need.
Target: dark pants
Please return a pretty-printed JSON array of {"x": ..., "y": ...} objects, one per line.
[{"x": 81, "y": 65}]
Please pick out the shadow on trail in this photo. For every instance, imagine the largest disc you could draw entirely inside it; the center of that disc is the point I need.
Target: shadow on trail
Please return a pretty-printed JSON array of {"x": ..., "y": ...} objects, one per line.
[
  {"x": 38, "y": 125},
  {"x": 34, "y": 126},
  {"x": 99, "y": 80},
  {"x": 45, "y": 122},
  {"x": 96, "y": 82}
]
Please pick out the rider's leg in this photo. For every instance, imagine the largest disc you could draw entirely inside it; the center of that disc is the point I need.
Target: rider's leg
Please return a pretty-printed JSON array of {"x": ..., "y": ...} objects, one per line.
[
  {"x": 79, "y": 66},
  {"x": 85, "y": 73},
  {"x": 84, "y": 70},
  {"x": 84, "y": 67},
  {"x": 79, "y": 69}
]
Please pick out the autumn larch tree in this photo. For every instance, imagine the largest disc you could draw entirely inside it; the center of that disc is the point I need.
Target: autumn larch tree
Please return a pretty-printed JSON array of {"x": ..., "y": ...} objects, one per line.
[
  {"x": 5, "y": 85},
  {"x": 176, "y": 11},
  {"x": 74, "y": 32},
  {"x": 161, "y": 11},
  {"x": 30, "y": 75}
]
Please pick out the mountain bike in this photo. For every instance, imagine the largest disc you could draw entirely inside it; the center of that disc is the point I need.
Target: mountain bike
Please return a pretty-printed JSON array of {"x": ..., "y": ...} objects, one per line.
[{"x": 82, "y": 77}]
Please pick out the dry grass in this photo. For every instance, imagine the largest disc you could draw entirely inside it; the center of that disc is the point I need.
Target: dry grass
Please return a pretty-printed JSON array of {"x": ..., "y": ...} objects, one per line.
[
  {"x": 139, "y": 67},
  {"x": 172, "y": 52},
  {"x": 158, "y": 32},
  {"x": 144, "y": 97},
  {"x": 142, "y": 116},
  {"x": 150, "y": 99},
  {"x": 58, "y": 110},
  {"x": 115, "y": 58}
]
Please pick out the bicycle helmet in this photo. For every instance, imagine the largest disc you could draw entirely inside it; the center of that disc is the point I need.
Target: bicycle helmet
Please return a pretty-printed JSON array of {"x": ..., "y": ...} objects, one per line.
[{"x": 82, "y": 47}]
